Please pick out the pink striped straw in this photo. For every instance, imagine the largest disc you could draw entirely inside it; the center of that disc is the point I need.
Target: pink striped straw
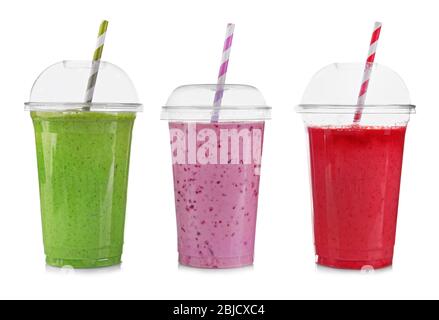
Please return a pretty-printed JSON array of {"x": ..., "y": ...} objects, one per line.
[
  {"x": 367, "y": 71},
  {"x": 222, "y": 72}
]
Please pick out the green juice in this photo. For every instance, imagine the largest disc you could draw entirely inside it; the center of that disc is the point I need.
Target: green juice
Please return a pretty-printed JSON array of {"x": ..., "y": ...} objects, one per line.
[{"x": 83, "y": 162}]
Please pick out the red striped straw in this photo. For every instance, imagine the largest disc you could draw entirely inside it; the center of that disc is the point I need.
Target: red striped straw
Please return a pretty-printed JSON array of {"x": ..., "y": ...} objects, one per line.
[
  {"x": 222, "y": 72},
  {"x": 367, "y": 71}
]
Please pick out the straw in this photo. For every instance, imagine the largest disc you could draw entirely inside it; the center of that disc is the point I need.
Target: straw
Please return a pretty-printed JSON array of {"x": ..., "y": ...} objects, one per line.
[
  {"x": 367, "y": 71},
  {"x": 222, "y": 72},
  {"x": 96, "y": 63}
]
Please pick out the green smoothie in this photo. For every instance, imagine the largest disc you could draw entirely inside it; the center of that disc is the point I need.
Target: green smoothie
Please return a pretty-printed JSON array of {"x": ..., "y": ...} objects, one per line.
[{"x": 83, "y": 161}]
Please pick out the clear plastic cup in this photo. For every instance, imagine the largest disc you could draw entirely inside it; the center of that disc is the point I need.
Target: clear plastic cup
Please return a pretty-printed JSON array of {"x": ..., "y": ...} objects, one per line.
[
  {"x": 216, "y": 169},
  {"x": 83, "y": 153},
  {"x": 355, "y": 168}
]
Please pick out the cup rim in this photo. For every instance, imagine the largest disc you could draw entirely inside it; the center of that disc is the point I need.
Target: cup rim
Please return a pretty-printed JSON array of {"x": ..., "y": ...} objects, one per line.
[
  {"x": 228, "y": 113},
  {"x": 82, "y": 106},
  {"x": 349, "y": 109}
]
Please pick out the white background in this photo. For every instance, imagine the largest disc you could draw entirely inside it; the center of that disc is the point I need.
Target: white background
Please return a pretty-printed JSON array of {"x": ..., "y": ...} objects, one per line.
[{"x": 278, "y": 46}]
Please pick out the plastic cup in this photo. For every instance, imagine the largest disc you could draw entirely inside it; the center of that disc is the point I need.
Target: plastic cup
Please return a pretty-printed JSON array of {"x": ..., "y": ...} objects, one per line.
[
  {"x": 216, "y": 169},
  {"x": 355, "y": 169},
  {"x": 83, "y": 162}
]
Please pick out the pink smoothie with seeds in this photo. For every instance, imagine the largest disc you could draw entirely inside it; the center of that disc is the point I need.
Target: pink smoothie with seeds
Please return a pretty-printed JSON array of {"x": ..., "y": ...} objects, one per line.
[{"x": 216, "y": 179}]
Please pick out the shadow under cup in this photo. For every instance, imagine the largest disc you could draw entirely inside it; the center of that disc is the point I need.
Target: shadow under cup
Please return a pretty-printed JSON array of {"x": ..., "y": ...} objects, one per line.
[{"x": 355, "y": 176}]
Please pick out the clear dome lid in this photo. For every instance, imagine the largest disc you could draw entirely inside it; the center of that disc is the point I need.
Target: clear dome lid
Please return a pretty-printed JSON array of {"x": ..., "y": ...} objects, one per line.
[
  {"x": 62, "y": 87},
  {"x": 335, "y": 88},
  {"x": 195, "y": 103}
]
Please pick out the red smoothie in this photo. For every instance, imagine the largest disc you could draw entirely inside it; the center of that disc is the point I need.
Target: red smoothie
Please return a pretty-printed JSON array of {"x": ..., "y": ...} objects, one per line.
[{"x": 356, "y": 174}]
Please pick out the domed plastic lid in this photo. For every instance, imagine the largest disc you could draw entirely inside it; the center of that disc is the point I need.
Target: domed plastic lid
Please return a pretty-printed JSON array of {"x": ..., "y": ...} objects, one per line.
[
  {"x": 62, "y": 87},
  {"x": 195, "y": 103},
  {"x": 335, "y": 88}
]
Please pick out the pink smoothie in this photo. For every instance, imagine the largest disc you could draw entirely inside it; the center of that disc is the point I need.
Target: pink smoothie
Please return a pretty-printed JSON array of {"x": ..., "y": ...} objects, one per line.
[
  {"x": 216, "y": 202},
  {"x": 356, "y": 174}
]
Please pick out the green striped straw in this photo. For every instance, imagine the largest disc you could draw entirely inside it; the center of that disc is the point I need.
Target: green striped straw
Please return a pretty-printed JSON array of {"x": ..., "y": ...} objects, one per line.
[{"x": 96, "y": 63}]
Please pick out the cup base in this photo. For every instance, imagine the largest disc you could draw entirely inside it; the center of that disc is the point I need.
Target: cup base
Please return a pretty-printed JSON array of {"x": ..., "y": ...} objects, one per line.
[
  {"x": 215, "y": 262},
  {"x": 355, "y": 265},
  {"x": 83, "y": 263}
]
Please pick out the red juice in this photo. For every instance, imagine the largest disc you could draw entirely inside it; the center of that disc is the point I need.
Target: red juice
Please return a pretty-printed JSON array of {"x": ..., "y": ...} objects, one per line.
[{"x": 356, "y": 174}]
